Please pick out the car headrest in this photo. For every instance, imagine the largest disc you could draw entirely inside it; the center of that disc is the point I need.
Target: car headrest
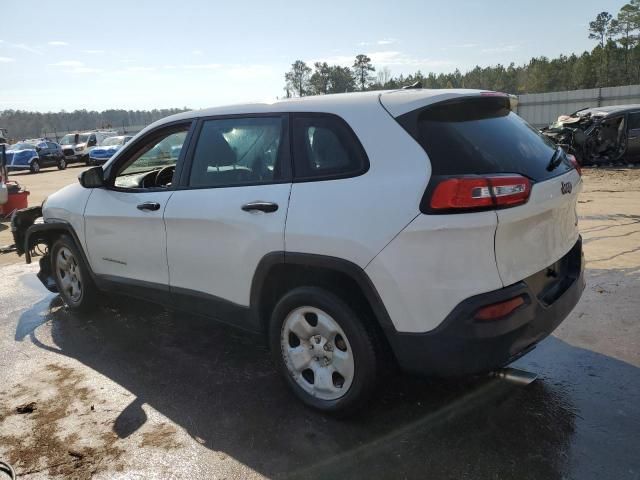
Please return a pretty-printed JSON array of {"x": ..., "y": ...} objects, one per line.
[
  {"x": 327, "y": 149},
  {"x": 216, "y": 149}
]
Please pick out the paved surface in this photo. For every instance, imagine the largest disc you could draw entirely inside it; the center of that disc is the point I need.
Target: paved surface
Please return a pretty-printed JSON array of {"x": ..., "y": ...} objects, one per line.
[{"x": 136, "y": 392}]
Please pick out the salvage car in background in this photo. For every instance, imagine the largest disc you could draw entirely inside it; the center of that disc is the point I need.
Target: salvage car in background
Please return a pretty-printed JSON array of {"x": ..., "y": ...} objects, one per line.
[
  {"x": 35, "y": 154},
  {"x": 106, "y": 150},
  {"x": 599, "y": 135}
]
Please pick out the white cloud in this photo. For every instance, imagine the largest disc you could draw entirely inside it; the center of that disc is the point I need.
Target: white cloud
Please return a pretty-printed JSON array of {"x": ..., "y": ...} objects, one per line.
[
  {"x": 140, "y": 69},
  {"x": 465, "y": 45},
  {"x": 58, "y": 43},
  {"x": 7, "y": 59},
  {"x": 67, "y": 63},
  {"x": 391, "y": 58},
  {"x": 387, "y": 41},
  {"x": 85, "y": 70},
  {"x": 201, "y": 66},
  {"x": 197, "y": 52},
  {"x": 501, "y": 49},
  {"x": 248, "y": 71},
  {"x": 93, "y": 52},
  {"x": 26, "y": 48}
]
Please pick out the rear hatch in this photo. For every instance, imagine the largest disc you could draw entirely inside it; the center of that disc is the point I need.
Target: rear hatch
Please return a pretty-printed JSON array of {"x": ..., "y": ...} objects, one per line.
[{"x": 471, "y": 139}]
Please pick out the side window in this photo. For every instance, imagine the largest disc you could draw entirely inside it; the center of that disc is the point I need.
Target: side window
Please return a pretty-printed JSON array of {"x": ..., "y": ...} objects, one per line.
[
  {"x": 325, "y": 147},
  {"x": 52, "y": 146},
  {"x": 634, "y": 121},
  {"x": 240, "y": 151},
  {"x": 161, "y": 151}
]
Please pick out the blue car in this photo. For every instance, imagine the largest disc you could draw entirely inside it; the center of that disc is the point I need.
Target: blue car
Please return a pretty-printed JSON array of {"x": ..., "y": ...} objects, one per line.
[
  {"x": 100, "y": 154},
  {"x": 33, "y": 156}
]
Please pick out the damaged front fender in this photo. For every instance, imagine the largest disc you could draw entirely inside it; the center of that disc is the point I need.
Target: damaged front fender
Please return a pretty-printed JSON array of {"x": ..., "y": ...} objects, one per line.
[
  {"x": 21, "y": 221},
  {"x": 30, "y": 232}
]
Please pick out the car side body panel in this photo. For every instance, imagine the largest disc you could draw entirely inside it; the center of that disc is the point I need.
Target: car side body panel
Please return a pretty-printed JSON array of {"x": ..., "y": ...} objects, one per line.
[
  {"x": 354, "y": 218},
  {"x": 436, "y": 262}
]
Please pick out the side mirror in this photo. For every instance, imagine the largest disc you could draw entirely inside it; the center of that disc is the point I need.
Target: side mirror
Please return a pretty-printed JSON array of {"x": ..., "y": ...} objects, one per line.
[{"x": 92, "y": 178}]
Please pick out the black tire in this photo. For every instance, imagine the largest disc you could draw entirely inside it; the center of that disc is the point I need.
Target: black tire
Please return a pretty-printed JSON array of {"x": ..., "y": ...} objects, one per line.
[
  {"x": 35, "y": 166},
  {"x": 361, "y": 342},
  {"x": 87, "y": 299},
  {"x": 62, "y": 164}
]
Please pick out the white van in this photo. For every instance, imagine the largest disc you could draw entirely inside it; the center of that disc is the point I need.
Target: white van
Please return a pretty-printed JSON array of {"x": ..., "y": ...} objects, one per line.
[{"x": 76, "y": 146}]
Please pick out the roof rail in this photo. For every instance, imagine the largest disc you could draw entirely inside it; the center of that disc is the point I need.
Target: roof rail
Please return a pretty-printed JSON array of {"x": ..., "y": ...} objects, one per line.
[{"x": 416, "y": 85}]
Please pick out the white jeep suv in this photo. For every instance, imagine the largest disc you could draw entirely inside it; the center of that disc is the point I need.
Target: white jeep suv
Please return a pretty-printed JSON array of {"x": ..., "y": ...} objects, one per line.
[{"x": 432, "y": 228}]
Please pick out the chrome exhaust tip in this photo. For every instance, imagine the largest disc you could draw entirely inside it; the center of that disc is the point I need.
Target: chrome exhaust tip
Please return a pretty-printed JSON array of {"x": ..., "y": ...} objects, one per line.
[{"x": 515, "y": 375}]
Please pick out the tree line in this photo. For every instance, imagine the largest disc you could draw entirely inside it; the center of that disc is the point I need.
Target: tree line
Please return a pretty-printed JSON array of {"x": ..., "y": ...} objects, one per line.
[
  {"x": 614, "y": 60},
  {"x": 23, "y": 124}
]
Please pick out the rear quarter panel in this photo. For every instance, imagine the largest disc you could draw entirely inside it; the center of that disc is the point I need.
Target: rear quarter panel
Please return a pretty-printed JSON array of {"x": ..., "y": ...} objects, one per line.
[
  {"x": 434, "y": 264},
  {"x": 354, "y": 218}
]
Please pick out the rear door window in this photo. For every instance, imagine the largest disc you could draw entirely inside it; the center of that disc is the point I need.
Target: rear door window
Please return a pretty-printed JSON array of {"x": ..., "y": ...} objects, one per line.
[
  {"x": 634, "y": 121},
  {"x": 325, "y": 147},
  {"x": 481, "y": 136},
  {"x": 241, "y": 151}
]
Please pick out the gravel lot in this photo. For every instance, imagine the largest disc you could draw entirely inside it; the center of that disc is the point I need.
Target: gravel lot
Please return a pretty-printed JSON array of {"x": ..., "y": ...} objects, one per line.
[{"x": 137, "y": 392}]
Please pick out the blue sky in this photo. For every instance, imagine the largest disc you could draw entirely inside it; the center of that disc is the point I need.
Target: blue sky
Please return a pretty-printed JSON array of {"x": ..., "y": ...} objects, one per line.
[{"x": 158, "y": 54}]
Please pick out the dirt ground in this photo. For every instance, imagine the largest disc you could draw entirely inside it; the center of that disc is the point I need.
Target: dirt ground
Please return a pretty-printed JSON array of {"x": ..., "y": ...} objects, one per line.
[{"x": 134, "y": 391}]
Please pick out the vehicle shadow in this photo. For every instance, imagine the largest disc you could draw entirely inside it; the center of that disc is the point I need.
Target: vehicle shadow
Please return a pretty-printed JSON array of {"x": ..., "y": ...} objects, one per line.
[{"x": 219, "y": 385}]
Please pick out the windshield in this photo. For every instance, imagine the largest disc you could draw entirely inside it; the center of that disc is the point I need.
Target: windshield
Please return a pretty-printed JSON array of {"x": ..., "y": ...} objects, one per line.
[
  {"x": 73, "y": 138},
  {"x": 21, "y": 146},
  {"x": 112, "y": 141},
  {"x": 68, "y": 139}
]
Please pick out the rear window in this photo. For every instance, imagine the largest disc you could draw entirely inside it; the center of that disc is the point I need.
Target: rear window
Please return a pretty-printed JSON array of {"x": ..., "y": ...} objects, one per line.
[
  {"x": 325, "y": 147},
  {"x": 481, "y": 136}
]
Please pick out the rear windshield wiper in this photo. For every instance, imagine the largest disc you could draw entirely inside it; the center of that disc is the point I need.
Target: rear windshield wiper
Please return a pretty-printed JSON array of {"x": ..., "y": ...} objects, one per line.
[{"x": 556, "y": 159}]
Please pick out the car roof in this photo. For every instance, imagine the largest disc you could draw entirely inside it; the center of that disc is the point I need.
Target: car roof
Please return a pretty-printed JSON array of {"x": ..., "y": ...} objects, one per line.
[
  {"x": 609, "y": 110},
  {"x": 396, "y": 102}
]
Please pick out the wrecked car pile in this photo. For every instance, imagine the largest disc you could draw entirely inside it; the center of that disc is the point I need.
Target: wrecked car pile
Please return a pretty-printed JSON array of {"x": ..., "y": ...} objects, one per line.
[{"x": 601, "y": 135}]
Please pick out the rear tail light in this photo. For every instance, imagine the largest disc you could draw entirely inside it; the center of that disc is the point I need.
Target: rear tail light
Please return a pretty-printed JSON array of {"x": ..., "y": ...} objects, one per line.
[
  {"x": 498, "y": 310},
  {"x": 575, "y": 163},
  {"x": 472, "y": 193}
]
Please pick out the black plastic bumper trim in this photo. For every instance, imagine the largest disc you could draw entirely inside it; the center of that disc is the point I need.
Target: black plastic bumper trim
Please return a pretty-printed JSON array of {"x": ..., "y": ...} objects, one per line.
[{"x": 461, "y": 346}]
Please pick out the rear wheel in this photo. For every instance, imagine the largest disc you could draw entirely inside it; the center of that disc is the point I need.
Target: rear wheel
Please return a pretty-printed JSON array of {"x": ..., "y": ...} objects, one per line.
[
  {"x": 72, "y": 276},
  {"x": 35, "y": 166},
  {"x": 323, "y": 350}
]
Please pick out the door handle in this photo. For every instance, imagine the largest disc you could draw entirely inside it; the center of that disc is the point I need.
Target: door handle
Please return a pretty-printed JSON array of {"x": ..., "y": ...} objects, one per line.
[
  {"x": 152, "y": 206},
  {"x": 266, "y": 207}
]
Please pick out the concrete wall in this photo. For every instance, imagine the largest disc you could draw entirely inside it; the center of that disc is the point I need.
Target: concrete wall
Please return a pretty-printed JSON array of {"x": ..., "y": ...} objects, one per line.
[{"x": 540, "y": 109}]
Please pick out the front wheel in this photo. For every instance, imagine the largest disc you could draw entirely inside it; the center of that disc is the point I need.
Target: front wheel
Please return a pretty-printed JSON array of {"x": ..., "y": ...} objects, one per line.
[
  {"x": 72, "y": 276},
  {"x": 35, "y": 166},
  {"x": 322, "y": 348},
  {"x": 62, "y": 164}
]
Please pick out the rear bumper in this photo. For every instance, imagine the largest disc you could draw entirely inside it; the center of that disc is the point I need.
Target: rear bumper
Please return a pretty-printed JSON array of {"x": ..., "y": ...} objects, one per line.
[{"x": 462, "y": 346}]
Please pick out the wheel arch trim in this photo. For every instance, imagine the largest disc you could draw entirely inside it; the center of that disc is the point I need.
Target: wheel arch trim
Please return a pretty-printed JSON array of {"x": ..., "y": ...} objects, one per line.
[{"x": 324, "y": 262}]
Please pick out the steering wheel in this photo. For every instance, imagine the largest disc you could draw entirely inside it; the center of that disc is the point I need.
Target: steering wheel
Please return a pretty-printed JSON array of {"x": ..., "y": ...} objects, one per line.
[{"x": 164, "y": 177}]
